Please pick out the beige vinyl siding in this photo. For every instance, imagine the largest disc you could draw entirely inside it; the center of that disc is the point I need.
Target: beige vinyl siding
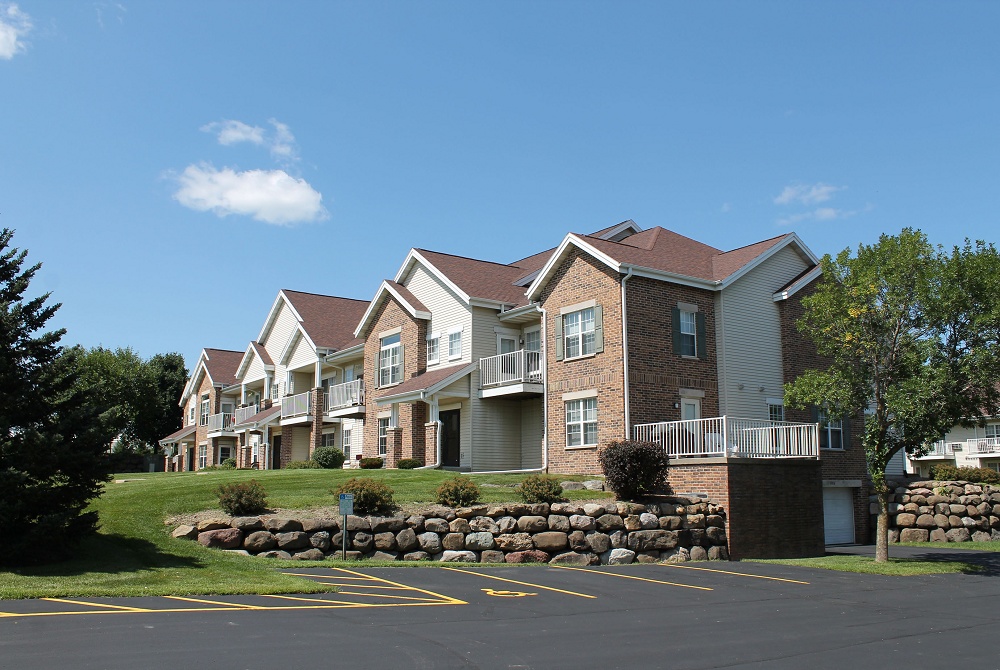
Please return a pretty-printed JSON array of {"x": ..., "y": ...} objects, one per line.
[
  {"x": 532, "y": 432},
  {"x": 461, "y": 387},
  {"x": 749, "y": 336},
  {"x": 255, "y": 370},
  {"x": 300, "y": 443},
  {"x": 446, "y": 309},
  {"x": 285, "y": 324},
  {"x": 302, "y": 354},
  {"x": 356, "y": 426}
]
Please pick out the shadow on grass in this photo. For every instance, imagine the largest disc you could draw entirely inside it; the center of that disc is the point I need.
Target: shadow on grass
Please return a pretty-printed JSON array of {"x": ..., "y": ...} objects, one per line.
[
  {"x": 986, "y": 563},
  {"x": 110, "y": 554}
]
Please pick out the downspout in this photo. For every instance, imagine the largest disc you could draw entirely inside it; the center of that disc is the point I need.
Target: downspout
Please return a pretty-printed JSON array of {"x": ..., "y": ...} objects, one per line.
[
  {"x": 437, "y": 434},
  {"x": 628, "y": 418}
]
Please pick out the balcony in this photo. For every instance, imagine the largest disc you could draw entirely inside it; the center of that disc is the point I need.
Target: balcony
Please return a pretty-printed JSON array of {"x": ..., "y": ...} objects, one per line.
[
  {"x": 940, "y": 451},
  {"x": 296, "y": 408},
  {"x": 984, "y": 446},
  {"x": 514, "y": 373},
  {"x": 220, "y": 424},
  {"x": 346, "y": 400},
  {"x": 730, "y": 437},
  {"x": 244, "y": 413}
]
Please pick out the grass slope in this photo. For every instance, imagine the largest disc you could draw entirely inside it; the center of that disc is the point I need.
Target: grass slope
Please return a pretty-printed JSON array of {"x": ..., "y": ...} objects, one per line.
[
  {"x": 899, "y": 567},
  {"x": 134, "y": 555}
]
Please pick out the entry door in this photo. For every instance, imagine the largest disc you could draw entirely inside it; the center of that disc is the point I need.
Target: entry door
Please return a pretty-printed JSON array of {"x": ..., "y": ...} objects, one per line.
[
  {"x": 190, "y": 458},
  {"x": 691, "y": 409},
  {"x": 508, "y": 371},
  {"x": 451, "y": 428},
  {"x": 276, "y": 452}
]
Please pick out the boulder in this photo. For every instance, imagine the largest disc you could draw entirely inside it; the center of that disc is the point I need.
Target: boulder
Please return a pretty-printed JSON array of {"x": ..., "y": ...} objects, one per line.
[
  {"x": 619, "y": 539},
  {"x": 539, "y": 509},
  {"x": 956, "y": 509},
  {"x": 308, "y": 555},
  {"x": 239, "y": 552},
  {"x": 716, "y": 535},
  {"x": 416, "y": 523},
  {"x": 559, "y": 523},
  {"x": 320, "y": 540},
  {"x": 384, "y": 556},
  {"x": 926, "y": 521},
  {"x": 479, "y": 541},
  {"x": 609, "y": 522},
  {"x": 530, "y": 556},
  {"x": 582, "y": 522},
  {"x": 981, "y": 536},
  {"x": 594, "y": 510},
  {"x": 594, "y": 485},
  {"x": 316, "y": 525},
  {"x": 652, "y": 540},
  {"x": 648, "y": 557},
  {"x": 439, "y": 512},
  {"x": 469, "y": 512},
  {"x": 453, "y": 542},
  {"x": 217, "y": 523},
  {"x": 532, "y": 524},
  {"x": 223, "y": 538},
  {"x": 491, "y": 556},
  {"x": 599, "y": 542},
  {"x": 460, "y": 525},
  {"x": 259, "y": 541},
  {"x": 566, "y": 509},
  {"x": 648, "y": 521},
  {"x": 678, "y": 555},
  {"x": 416, "y": 556},
  {"x": 429, "y": 542},
  {"x": 436, "y": 526},
  {"x": 693, "y": 521},
  {"x": 406, "y": 540},
  {"x": 699, "y": 554},
  {"x": 483, "y": 524},
  {"x": 697, "y": 537},
  {"x": 506, "y": 524},
  {"x": 496, "y": 511},
  {"x": 357, "y": 524},
  {"x": 387, "y": 524},
  {"x": 385, "y": 541},
  {"x": 914, "y": 535},
  {"x": 941, "y": 521},
  {"x": 361, "y": 541},
  {"x": 670, "y": 522},
  {"x": 295, "y": 539},
  {"x": 451, "y": 556},
  {"x": 632, "y": 523},
  {"x": 570, "y": 558},
  {"x": 514, "y": 542},
  {"x": 247, "y": 524},
  {"x": 284, "y": 555},
  {"x": 186, "y": 532},
  {"x": 969, "y": 522},
  {"x": 277, "y": 524},
  {"x": 578, "y": 541},
  {"x": 938, "y": 535},
  {"x": 955, "y": 521},
  {"x": 621, "y": 557},
  {"x": 958, "y": 535},
  {"x": 906, "y": 520},
  {"x": 572, "y": 486},
  {"x": 518, "y": 509},
  {"x": 718, "y": 553},
  {"x": 551, "y": 541}
]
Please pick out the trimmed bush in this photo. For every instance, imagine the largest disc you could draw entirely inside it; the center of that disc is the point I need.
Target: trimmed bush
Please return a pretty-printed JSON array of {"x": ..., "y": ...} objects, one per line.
[
  {"x": 458, "y": 491},
  {"x": 370, "y": 496},
  {"x": 977, "y": 475},
  {"x": 330, "y": 458},
  {"x": 410, "y": 464},
  {"x": 228, "y": 464},
  {"x": 374, "y": 463},
  {"x": 634, "y": 469},
  {"x": 539, "y": 489},
  {"x": 303, "y": 465},
  {"x": 242, "y": 498}
]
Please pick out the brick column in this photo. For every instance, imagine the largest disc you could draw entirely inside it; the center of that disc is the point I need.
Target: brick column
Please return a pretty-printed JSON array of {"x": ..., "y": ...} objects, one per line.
[
  {"x": 430, "y": 440},
  {"x": 393, "y": 447},
  {"x": 317, "y": 420},
  {"x": 287, "y": 433}
]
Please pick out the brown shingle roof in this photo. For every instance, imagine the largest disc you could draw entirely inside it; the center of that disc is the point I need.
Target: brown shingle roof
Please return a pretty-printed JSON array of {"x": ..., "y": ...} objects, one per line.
[
  {"x": 262, "y": 354},
  {"x": 480, "y": 279},
  {"x": 425, "y": 380},
  {"x": 222, "y": 365},
  {"x": 178, "y": 434},
  {"x": 263, "y": 414},
  {"x": 406, "y": 295},
  {"x": 328, "y": 320}
]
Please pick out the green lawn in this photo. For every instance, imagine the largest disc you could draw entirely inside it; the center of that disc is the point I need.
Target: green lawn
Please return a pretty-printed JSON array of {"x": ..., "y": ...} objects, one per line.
[
  {"x": 865, "y": 564},
  {"x": 993, "y": 545},
  {"x": 134, "y": 555}
]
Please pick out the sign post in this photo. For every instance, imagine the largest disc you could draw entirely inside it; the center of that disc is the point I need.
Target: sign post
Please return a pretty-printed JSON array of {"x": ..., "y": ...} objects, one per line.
[{"x": 346, "y": 508}]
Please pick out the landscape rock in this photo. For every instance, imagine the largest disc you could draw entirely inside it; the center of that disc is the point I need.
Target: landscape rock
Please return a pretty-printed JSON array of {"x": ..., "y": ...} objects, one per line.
[
  {"x": 599, "y": 542},
  {"x": 608, "y": 522},
  {"x": 572, "y": 486},
  {"x": 277, "y": 525},
  {"x": 385, "y": 556},
  {"x": 550, "y": 541},
  {"x": 317, "y": 525},
  {"x": 570, "y": 558},
  {"x": 259, "y": 541},
  {"x": 453, "y": 542},
  {"x": 621, "y": 557},
  {"x": 275, "y": 554},
  {"x": 483, "y": 524},
  {"x": 186, "y": 532},
  {"x": 532, "y": 524},
  {"x": 594, "y": 485},
  {"x": 295, "y": 539},
  {"x": 223, "y": 538},
  {"x": 385, "y": 541},
  {"x": 698, "y": 554},
  {"x": 436, "y": 526},
  {"x": 429, "y": 542},
  {"x": 530, "y": 556},
  {"x": 406, "y": 540},
  {"x": 417, "y": 556},
  {"x": 247, "y": 524},
  {"x": 361, "y": 541},
  {"x": 582, "y": 522},
  {"x": 479, "y": 541},
  {"x": 514, "y": 542},
  {"x": 459, "y": 557},
  {"x": 491, "y": 556},
  {"x": 914, "y": 535},
  {"x": 387, "y": 524},
  {"x": 309, "y": 555},
  {"x": 460, "y": 525}
]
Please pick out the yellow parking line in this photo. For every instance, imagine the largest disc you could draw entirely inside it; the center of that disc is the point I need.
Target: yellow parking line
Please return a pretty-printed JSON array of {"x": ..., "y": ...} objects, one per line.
[
  {"x": 445, "y": 598},
  {"x": 366, "y": 586},
  {"x": 727, "y": 572},
  {"x": 514, "y": 581},
  {"x": 385, "y": 595},
  {"x": 114, "y": 607},
  {"x": 216, "y": 602},
  {"x": 303, "y": 574},
  {"x": 641, "y": 579},
  {"x": 316, "y": 600}
]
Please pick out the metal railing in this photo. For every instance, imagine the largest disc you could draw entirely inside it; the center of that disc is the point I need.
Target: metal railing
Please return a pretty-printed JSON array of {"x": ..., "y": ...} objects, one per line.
[
  {"x": 984, "y": 445},
  {"x": 220, "y": 422},
  {"x": 348, "y": 394},
  {"x": 299, "y": 404},
  {"x": 940, "y": 449},
  {"x": 244, "y": 413},
  {"x": 516, "y": 367},
  {"x": 732, "y": 437}
]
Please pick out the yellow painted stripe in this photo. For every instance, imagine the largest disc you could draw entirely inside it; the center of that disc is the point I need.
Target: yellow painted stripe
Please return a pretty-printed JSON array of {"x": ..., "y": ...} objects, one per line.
[
  {"x": 386, "y": 595},
  {"x": 366, "y": 586},
  {"x": 302, "y": 574},
  {"x": 641, "y": 579},
  {"x": 80, "y": 602},
  {"x": 514, "y": 581},
  {"x": 230, "y": 609},
  {"x": 411, "y": 588},
  {"x": 316, "y": 600},
  {"x": 216, "y": 602},
  {"x": 739, "y": 574}
]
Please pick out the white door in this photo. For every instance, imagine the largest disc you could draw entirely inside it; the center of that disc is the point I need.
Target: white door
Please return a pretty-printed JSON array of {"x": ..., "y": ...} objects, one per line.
[
  {"x": 508, "y": 364},
  {"x": 690, "y": 408},
  {"x": 838, "y": 515}
]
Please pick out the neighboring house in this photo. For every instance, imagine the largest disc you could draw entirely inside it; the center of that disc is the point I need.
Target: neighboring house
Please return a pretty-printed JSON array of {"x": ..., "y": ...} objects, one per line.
[
  {"x": 298, "y": 385},
  {"x": 975, "y": 447},
  {"x": 206, "y": 438}
]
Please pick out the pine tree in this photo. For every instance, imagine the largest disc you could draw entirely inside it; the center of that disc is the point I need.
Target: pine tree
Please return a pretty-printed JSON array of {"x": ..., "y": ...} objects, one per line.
[{"x": 52, "y": 460}]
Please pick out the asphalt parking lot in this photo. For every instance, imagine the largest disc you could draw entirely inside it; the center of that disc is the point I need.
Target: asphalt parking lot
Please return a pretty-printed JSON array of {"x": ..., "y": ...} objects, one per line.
[{"x": 705, "y": 615}]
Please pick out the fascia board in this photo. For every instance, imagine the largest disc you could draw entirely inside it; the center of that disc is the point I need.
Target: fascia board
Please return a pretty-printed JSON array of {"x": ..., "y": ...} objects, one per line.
[
  {"x": 345, "y": 354},
  {"x": 430, "y": 390},
  {"x": 790, "y": 239},
  {"x": 672, "y": 277},
  {"x": 441, "y": 277},
  {"x": 801, "y": 283},
  {"x": 271, "y": 316},
  {"x": 192, "y": 385},
  {"x": 557, "y": 257},
  {"x": 413, "y": 311},
  {"x": 404, "y": 269},
  {"x": 371, "y": 309},
  {"x": 624, "y": 225},
  {"x": 245, "y": 361},
  {"x": 484, "y": 302},
  {"x": 286, "y": 353},
  {"x": 383, "y": 289}
]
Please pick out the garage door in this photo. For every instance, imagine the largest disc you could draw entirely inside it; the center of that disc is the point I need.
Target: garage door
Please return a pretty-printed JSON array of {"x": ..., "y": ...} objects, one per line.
[{"x": 838, "y": 515}]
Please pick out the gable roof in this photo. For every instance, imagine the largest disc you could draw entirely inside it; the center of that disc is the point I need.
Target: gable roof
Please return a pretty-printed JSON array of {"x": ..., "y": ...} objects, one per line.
[
  {"x": 429, "y": 381},
  {"x": 256, "y": 349},
  {"x": 477, "y": 278},
  {"x": 328, "y": 321},
  {"x": 390, "y": 289},
  {"x": 220, "y": 365}
]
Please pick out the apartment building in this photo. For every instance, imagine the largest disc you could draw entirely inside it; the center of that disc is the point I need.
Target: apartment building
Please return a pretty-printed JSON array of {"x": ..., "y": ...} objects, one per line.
[{"x": 963, "y": 447}]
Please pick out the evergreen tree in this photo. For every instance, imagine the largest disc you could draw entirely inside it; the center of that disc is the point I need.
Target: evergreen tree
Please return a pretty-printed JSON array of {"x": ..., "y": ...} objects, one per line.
[{"x": 52, "y": 461}]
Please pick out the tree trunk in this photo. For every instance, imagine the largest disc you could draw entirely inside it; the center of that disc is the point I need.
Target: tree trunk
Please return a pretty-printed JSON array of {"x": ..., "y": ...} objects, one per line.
[{"x": 882, "y": 527}]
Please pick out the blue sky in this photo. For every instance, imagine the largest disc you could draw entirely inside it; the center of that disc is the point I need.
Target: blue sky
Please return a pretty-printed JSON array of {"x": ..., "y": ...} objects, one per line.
[{"x": 175, "y": 164}]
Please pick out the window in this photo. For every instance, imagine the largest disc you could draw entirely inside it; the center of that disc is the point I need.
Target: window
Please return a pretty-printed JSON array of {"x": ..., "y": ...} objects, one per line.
[
  {"x": 202, "y": 456},
  {"x": 688, "y": 334},
  {"x": 689, "y": 331},
  {"x": 275, "y": 391},
  {"x": 289, "y": 382},
  {"x": 329, "y": 440},
  {"x": 203, "y": 420},
  {"x": 383, "y": 436},
  {"x": 390, "y": 361},
  {"x": 775, "y": 411},
  {"x": 224, "y": 453},
  {"x": 345, "y": 443},
  {"x": 455, "y": 344},
  {"x": 581, "y": 422},
  {"x": 191, "y": 411},
  {"x": 578, "y": 333},
  {"x": 433, "y": 343},
  {"x": 993, "y": 430},
  {"x": 831, "y": 431},
  {"x": 533, "y": 340}
]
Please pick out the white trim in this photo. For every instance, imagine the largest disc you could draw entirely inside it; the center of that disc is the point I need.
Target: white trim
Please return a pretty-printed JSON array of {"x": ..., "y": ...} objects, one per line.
[
  {"x": 798, "y": 285},
  {"x": 579, "y": 395},
  {"x": 509, "y": 332},
  {"x": 790, "y": 238},
  {"x": 687, "y": 307},
  {"x": 557, "y": 257},
  {"x": 775, "y": 401},
  {"x": 449, "y": 407},
  {"x": 385, "y": 414},
  {"x": 569, "y": 309},
  {"x": 384, "y": 288},
  {"x": 690, "y": 393},
  {"x": 455, "y": 329},
  {"x": 621, "y": 227},
  {"x": 414, "y": 255},
  {"x": 391, "y": 331}
]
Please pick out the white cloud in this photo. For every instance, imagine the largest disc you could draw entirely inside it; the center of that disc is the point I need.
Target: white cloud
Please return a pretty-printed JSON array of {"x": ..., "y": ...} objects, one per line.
[
  {"x": 234, "y": 132},
  {"x": 818, "y": 214},
  {"x": 14, "y": 25},
  {"x": 281, "y": 142},
  {"x": 806, "y": 194},
  {"x": 282, "y": 145},
  {"x": 272, "y": 196}
]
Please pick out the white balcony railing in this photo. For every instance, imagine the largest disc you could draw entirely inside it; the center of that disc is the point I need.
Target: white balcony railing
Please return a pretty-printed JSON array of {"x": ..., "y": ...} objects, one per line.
[
  {"x": 941, "y": 449},
  {"x": 299, "y": 404},
  {"x": 984, "y": 445},
  {"x": 516, "y": 367},
  {"x": 732, "y": 437},
  {"x": 220, "y": 422},
  {"x": 244, "y": 413},
  {"x": 348, "y": 394}
]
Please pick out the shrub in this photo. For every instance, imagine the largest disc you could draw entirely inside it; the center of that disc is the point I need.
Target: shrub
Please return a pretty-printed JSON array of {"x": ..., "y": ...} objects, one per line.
[
  {"x": 634, "y": 469},
  {"x": 539, "y": 489},
  {"x": 410, "y": 464},
  {"x": 329, "y": 457},
  {"x": 370, "y": 496},
  {"x": 977, "y": 475},
  {"x": 303, "y": 465},
  {"x": 458, "y": 491},
  {"x": 374, "y": 463},
  {"x": 242, "y": 498},
  {"x": 228, "y": 464}
]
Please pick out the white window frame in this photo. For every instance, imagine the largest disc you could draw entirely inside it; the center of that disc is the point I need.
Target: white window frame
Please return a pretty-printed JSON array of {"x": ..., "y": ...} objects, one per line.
[
  {"x": 991, "y": 430},
  {"x": 383, "y": 435},
  {"x": 390, "y": 367},
  {"x": 205, "y": 408},
  {"x": 577, "y": 418},
  {"x": 455, "y": 344},
  {"x": 289, "y": 382},
  {"x": 229, "y": 448},
  {"x": 192, "y": 412},
  {"x": 329, "y": 439},
  {"x": 585, "y": 339},
  {"x": 689, "y": 329},
  {"x": 202, "y": 456},
  {"x": 433, "y": 348},
  {"x": 345, "y": 441},
  {"x": 775, "y": 408},
  {"x": 830, "y": 427}
]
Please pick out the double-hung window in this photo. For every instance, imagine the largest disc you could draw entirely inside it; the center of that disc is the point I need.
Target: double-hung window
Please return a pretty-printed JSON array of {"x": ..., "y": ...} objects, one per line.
[
  {"x": 383, "y": 435},
  {"x": 689, "y": 331},
  {"x": 390, "y": 361},
  {"x": 581, "y": 422},
  {"x": 775, "y": 410},
  {"x": 433, "y": 348},
  {"x": 831, "y": 431},
  {"x": 202, "y": 456},
  {"x": 689, "y": 339},
  {"x": 203, "y": 418},
  {"x": 454, "y": 344},
  {"x": 345, "y": 444},
  {"x": 578, "y": 333}
]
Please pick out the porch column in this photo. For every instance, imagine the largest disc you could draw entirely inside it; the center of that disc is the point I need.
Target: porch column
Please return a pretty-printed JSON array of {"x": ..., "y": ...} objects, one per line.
[{"x": 393, "y": 446}]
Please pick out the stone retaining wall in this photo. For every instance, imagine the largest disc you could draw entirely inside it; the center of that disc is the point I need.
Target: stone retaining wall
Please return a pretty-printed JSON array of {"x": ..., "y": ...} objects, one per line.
[
  {"x": 943, "y": 511},
  {"x": 678, "y": 529}
]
